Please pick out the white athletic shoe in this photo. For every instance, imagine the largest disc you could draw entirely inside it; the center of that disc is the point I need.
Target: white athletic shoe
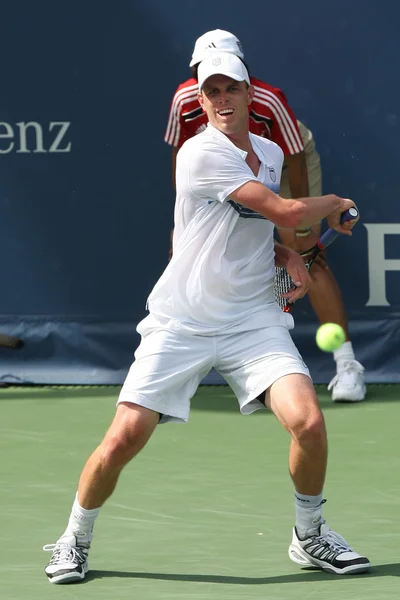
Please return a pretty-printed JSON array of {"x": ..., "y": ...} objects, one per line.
[
  {"x": 69, "y": 561},
  {"x": 348, "y": 385},
  {"x": 327, "y": 550}
]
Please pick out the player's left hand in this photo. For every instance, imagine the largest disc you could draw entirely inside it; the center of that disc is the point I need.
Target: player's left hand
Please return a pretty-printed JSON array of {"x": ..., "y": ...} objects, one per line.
[{"x": 301, "y": 278}]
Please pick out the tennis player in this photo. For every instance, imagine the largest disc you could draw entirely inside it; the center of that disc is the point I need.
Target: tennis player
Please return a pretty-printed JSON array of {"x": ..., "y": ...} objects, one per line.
[
  {"x": 214, "y": 307},
  {"x": 271, "y": 117}
]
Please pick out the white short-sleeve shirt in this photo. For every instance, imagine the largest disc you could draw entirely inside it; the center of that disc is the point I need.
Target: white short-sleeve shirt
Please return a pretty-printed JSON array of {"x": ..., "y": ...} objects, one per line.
[{"x": 222, "y": 271}]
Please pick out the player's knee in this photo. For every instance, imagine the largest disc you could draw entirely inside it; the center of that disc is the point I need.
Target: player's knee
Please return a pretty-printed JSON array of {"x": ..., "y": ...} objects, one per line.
[
  {"x": 310, "y": 429},
  {"x": 127, "y": 435},
  {"x": 116, "y": 452},
  {"x": 119, "y": 447}
]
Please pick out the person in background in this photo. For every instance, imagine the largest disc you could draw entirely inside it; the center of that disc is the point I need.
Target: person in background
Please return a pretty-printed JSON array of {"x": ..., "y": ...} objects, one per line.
[{"x": 270, "y": 116}]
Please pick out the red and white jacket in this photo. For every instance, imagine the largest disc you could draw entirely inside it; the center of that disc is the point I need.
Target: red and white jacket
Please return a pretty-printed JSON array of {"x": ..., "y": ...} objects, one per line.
[{"x": 270, "y": 116}]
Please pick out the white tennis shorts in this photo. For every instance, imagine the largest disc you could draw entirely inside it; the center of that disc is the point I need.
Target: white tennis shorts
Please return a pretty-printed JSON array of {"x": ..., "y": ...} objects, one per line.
[{"x": 169, "y": 366}]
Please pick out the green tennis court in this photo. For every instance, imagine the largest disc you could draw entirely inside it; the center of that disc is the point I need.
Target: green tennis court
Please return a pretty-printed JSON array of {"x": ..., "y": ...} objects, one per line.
[{"x": 206, "y": 509}]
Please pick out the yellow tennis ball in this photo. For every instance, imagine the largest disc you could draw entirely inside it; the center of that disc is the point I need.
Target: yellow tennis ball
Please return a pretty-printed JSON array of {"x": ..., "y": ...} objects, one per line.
[{"x": 330, "y": 337}]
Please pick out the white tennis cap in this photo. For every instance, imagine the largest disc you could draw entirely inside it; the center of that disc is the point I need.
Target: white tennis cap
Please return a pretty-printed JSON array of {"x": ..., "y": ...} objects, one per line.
[
  {"x": 222, "y": 64},
  {"x": 217, "y": 40}
]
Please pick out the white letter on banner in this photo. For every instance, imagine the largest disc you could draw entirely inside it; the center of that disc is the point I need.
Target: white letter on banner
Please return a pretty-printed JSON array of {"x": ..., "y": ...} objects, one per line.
[
  {"x": 377, "y": 263},
  {"x": 9, "y": 134},
  {"x": 38, "y": 136},
  {"x": 55, "y": 146}
]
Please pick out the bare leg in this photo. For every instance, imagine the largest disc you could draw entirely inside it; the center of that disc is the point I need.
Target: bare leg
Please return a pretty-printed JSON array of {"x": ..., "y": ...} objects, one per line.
[
  {"x": 130, "y": 430},
  {"x": 293, "y": 401},
  {"x": 127, "y": 435}
]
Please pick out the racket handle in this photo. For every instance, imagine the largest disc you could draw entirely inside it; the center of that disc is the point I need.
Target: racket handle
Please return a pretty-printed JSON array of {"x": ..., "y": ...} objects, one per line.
[
  {"x": 330, "y": 235},
  {"x": 349, "y": 215}
]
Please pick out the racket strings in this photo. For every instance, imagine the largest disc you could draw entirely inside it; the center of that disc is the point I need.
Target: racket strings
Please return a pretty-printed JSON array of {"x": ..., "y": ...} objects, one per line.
[{"x": 284, "y": 283}]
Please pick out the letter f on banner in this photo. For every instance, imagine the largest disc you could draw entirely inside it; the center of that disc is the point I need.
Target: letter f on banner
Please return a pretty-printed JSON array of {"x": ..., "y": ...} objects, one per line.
[{"x": 377, "y": 263}]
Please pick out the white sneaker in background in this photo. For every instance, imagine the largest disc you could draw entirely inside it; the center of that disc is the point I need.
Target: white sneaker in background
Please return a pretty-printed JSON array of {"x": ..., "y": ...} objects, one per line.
[{"x": 348, "y": 385}]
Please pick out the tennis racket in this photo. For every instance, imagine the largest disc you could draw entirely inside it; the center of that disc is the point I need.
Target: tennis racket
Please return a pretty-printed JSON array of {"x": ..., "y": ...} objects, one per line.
[
  {"x": 9, "y": 341},
  {"x": 283, "y": 281}
]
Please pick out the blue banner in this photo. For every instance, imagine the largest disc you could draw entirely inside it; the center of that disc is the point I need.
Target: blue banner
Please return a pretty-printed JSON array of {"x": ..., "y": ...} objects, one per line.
[{"x": 85, "y": 195}]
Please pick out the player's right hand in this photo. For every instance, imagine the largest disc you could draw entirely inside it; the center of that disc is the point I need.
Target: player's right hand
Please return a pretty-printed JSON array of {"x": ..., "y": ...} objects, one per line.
[{"x": 334, "y": 218}]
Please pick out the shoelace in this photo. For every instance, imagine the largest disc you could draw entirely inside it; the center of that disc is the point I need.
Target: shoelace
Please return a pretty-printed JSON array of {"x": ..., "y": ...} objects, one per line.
[
  {"x": 65, "y": 553},
  {"x": 353, "y": 366},
  {"x": 336, "y": 542}
]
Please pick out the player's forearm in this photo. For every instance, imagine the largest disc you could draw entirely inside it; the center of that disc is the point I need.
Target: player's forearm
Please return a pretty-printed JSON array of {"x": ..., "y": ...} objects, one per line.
[
  {"x": 313, "y": 210},
  {"x": 285, "y": 214}
]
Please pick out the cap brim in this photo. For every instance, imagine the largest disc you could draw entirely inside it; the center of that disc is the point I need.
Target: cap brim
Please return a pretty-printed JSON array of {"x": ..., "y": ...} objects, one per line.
[{"x": 218, "y": 72}]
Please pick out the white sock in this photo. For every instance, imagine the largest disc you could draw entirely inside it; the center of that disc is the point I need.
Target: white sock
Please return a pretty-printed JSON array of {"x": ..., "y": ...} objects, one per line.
[
  {"x": 308, "y": 514},
  {"x": 343, "y": 355},
  {"x": 81, "y": 521}
]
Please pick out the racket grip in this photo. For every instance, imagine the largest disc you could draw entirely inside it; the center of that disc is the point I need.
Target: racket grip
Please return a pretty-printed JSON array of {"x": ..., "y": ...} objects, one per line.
[
  {"x": 330, "y": 234},
  {"x": 349, "y": 215}
]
